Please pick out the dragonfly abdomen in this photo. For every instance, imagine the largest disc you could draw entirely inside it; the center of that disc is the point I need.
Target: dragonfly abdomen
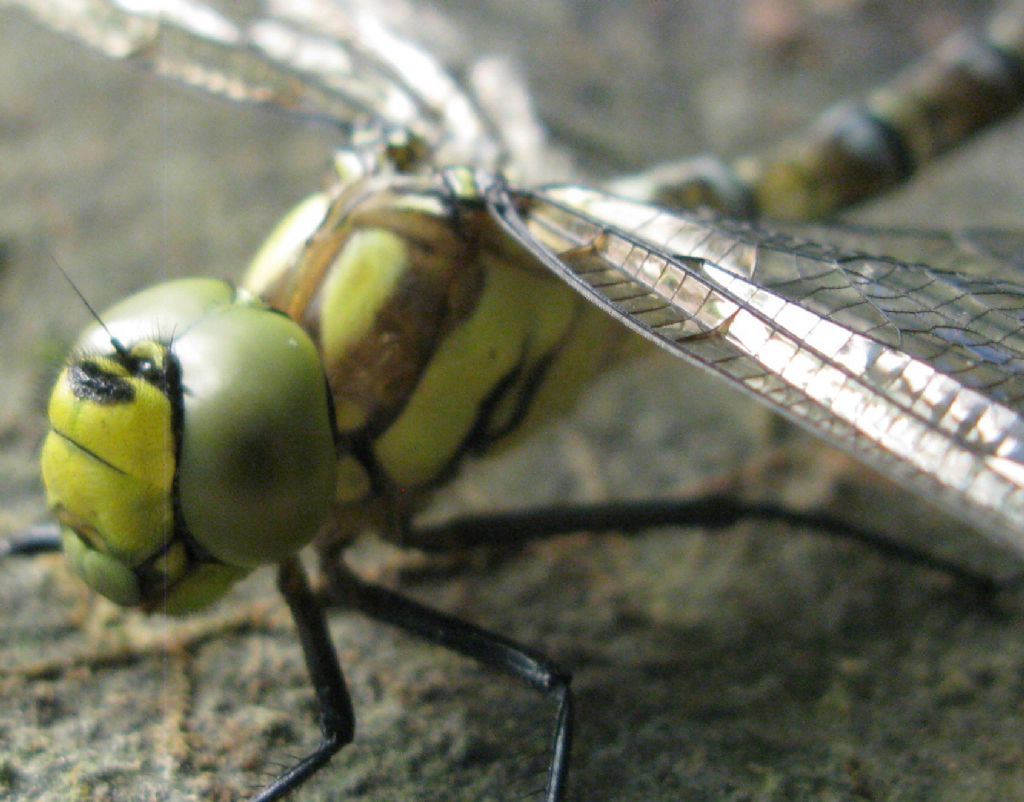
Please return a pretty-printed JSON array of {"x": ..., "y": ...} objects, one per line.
[{"x": 858, "y": 150}]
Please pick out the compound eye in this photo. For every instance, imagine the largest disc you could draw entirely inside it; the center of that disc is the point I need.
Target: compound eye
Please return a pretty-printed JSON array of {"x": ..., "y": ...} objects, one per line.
[{"x": 256, "y": 476}]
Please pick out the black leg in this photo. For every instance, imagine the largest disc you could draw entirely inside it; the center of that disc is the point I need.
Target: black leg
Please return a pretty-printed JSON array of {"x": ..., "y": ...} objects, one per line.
[
  {"x": 714, "y": 511},
  {"x": 337, "y": 722},
  {"x": 42, "y": 539},
  {"x": 487, "y": 648}
]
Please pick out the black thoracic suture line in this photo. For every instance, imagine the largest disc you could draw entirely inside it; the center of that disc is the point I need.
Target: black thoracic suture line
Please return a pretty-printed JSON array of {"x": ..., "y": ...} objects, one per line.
[
  {"x": 483, "y": 436},
  {"x": 360, "y": 447},
  {"x": 476, "y": 439}
]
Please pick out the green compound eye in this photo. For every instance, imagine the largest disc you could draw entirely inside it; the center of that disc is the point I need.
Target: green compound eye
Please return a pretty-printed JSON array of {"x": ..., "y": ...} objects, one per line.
[
  {"x": 257, "y": 468},
  {"x": 216, "y": 399}
]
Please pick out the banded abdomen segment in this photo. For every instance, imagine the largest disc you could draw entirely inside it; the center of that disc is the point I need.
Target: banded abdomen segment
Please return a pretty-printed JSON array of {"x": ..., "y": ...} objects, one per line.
[{"x": 859, "y": 149}]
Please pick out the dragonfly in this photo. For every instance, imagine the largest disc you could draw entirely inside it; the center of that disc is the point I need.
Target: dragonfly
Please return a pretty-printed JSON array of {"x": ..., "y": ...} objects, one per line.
[{"x": 509, "y": 214}]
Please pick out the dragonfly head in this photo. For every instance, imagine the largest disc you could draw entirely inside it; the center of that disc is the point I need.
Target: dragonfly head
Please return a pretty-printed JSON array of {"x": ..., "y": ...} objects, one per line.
[
  {"x": 191, "y": 440},
  {"x": 382, "y": 147}
]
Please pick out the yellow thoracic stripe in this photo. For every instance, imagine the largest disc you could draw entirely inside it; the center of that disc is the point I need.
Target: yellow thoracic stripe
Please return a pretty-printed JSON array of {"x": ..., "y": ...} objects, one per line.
[
  {"x": 362, "y": 279},
  {"x": 437, "y": 335},
  {"x": 518, "y": 317}
]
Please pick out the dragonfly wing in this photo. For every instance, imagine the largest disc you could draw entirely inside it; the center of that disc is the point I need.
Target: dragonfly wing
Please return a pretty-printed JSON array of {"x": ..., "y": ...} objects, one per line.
[
  {"x": 919, "y": 372},
  {"x": 984, "y": 253},
  {"x": 331, "y": 62},
  {"x": 487, "y": 117}
]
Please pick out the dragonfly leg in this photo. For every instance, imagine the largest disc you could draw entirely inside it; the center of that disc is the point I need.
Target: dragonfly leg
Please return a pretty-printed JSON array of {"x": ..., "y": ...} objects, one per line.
[
  {"x": 337, "y": 722},
  {"x": 712, "y": 511},
  {"x": 487, "y": 648},
  {"x": 42, "y": 539}
]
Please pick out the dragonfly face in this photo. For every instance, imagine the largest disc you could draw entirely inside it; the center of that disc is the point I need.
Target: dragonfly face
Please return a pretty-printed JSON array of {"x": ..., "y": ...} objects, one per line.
[
  {"x": 719, "y": 680},
  {"x": 164, "y": 495}
]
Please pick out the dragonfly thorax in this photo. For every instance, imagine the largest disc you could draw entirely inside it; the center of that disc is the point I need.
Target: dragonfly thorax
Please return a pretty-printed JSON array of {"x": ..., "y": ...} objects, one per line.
[{"x": 439, "y": 335}]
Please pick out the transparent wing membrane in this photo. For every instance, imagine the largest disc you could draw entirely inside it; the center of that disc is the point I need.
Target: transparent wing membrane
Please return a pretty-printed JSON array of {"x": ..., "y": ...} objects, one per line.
[
  {"x": 916, "y": 370},
  {"x": 334, "y": 64},
  {"x": 991, "y": 254}
]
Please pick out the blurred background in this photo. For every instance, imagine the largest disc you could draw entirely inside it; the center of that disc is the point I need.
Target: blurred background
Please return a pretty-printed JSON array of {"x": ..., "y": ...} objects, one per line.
[{"x": 750, "y": 665}]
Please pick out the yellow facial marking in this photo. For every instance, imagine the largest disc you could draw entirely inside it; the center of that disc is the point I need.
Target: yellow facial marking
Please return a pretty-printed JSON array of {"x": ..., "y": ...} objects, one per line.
[{"x": 108, "y": 465}]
